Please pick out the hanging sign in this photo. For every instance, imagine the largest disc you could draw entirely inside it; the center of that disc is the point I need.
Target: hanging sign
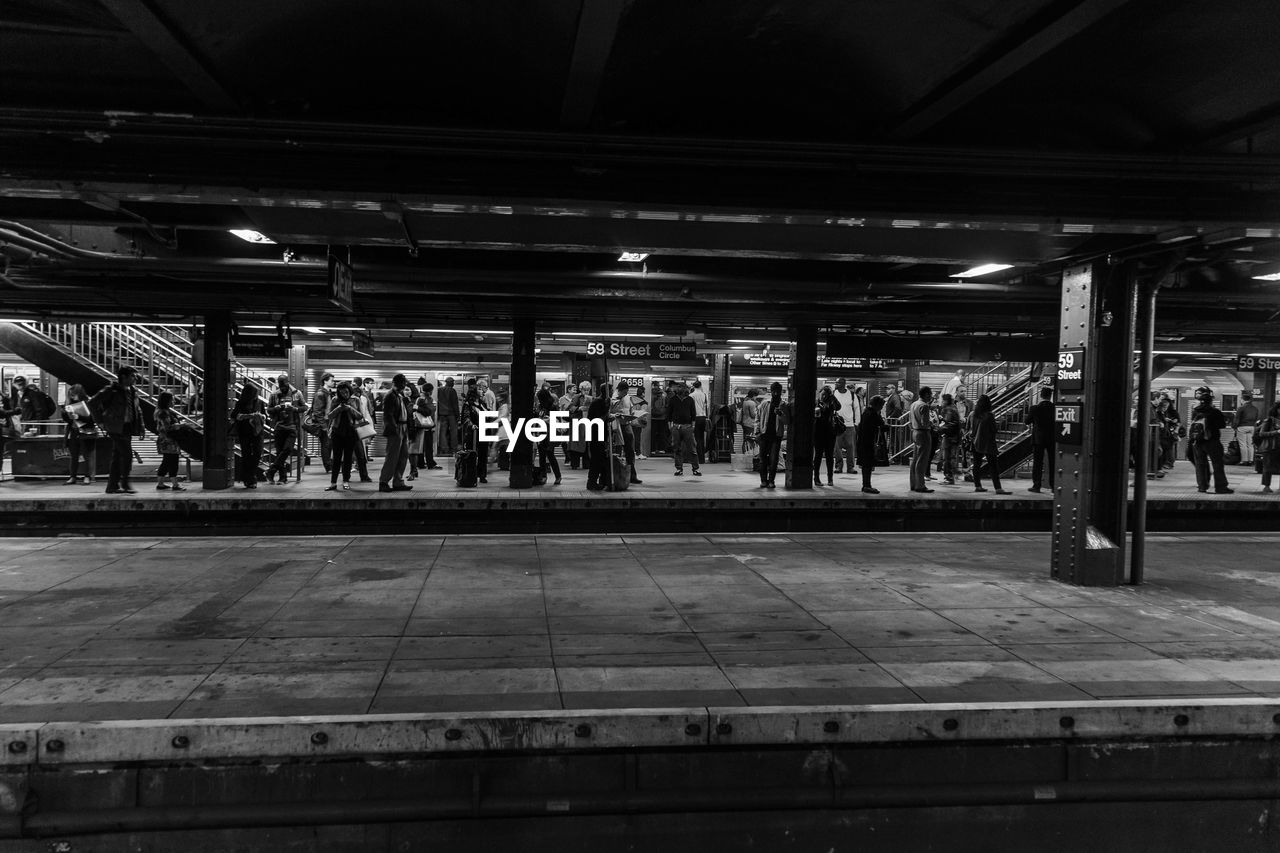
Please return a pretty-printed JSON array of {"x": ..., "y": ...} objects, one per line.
[
  {"x": 781, "y": 358},
  {"x": 1071, "y": 370},
  {"x": 362, "y": 343},
  {"x": 259, "y": 346},
  {"x": 342, "y": 284},
  {"x": 830, "y": 363},
  {"x": 652, "y": 350},
  {"x": 1068, "y": 423},
  {"x": 1262, "y": 363}
]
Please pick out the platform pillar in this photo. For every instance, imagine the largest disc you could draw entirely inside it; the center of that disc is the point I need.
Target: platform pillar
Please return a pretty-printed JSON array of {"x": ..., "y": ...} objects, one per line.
[
  {"x": 219, "y": 447},
  {"x": 523, "y": 377},
  {"x": 721, "y": 396},
  {"x": 1095, "y": 383},
  {"x": 800, "y": 435}
]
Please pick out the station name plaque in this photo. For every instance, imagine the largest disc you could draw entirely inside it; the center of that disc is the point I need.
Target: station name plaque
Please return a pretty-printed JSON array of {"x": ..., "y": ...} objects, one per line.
[
  {"x": 655, "y": 350},
  {"x": 1258, "y": 363},
  {"x": 1071, "y": 370}
]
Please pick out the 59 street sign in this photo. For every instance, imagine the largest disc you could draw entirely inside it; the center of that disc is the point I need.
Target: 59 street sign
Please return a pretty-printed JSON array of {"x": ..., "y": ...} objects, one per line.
[
  {"x": 1071, "y": 370},
  {"x": 1256, "y": 363}
]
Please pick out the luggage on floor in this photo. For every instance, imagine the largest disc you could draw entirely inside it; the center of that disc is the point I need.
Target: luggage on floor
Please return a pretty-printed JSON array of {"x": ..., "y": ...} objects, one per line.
[
  {"x": 1232, "y": 455},
  {"x": 539, "y": 476},
  {"x": 465, "y": 469},
  {"x": 619, "y": 473}
]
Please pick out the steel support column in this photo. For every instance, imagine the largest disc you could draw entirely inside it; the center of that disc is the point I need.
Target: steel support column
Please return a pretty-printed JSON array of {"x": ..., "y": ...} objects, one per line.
[
  {"x": 1091, "y": 493},
  {"x": 219, "y": 446},
  {"x": 523, "y": 377},
  {"x": 721, "y": 395},
  {"x": 1146, "y": 316},
  {"x": 298, "y": 379},
  {"x": 804, "y": 397}
]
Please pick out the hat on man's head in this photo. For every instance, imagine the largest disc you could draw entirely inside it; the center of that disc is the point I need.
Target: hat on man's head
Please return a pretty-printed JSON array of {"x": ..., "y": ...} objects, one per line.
[{"x": 1204, "y": 389}]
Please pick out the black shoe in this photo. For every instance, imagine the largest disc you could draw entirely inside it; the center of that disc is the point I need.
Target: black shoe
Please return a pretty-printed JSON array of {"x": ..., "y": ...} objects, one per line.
[
  {"x": 557, "y": 482},
  {"x": 772, "y": 486},
  {"x": 178, "y": 488},
  {"x": 923, "y": 491},
  {"x": 128, "y": 490},
  {"x": 115, "y": 491},
  {"x": 870, "y": 490},
  {"x": 366, "y": 479},
  {"x": 384, "y": 487},
  {"x": 1224, "y": 491},
  {"x": 635, "y": 481},
  {"x": 1035, "y": 489},
  {"x": 679, "y": 473},
  {"x": 483, "y": 480},
  {"x": 697, "y": 473},
  {"x": 1202, "y": 491},
  {"x": 402, "y": 488},
  {"x": 162, "y": 487},
  {"x": 71, "y": 481}
]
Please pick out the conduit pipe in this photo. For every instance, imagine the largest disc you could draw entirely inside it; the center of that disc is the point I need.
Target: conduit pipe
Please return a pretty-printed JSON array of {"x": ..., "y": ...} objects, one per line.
[{"x": 178, "y": 818}]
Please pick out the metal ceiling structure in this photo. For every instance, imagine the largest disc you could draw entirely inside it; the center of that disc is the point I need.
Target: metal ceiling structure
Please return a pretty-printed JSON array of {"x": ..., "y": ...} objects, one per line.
[{"x": 831, "y": 162}]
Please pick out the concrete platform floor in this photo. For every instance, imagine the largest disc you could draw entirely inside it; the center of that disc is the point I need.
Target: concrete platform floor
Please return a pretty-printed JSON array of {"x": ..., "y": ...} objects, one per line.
[
  {"x": 717, "y": 481},
  {"x": 98, "y": 629}
]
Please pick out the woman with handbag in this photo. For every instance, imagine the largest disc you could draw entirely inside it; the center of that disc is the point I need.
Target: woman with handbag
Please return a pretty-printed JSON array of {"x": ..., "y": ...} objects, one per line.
[
  {"x": 249, "y": 418},
  {"x": 424, "y": 418},
  {"x": 342, "y": 421},
  {"x": 825, "y": 430},
  {"x": 1268, "y": 447},
  {"x": 80, "y": 436}
]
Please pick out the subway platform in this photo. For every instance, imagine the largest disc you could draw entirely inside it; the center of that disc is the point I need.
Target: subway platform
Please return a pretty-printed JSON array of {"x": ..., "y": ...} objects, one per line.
[
  {"x": 579, "y": 691},
  {"x": 721, "y": 501}
]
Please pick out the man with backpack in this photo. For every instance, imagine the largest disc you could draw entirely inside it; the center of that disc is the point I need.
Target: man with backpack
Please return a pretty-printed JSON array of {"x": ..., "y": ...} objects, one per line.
[
  {"x": 33, "y": 404},
  {"x": 1204, "y": 436}
]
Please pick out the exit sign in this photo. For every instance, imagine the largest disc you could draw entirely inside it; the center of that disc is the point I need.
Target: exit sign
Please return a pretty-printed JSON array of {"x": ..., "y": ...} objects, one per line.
[{"x": 1068, "y": 423}]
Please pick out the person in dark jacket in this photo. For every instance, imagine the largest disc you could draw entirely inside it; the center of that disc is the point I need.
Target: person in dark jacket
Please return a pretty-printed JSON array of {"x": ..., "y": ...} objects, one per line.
[
  {"x": 448, "y": 409},
  {"x": 340, "y": 422},
  {"x": 1043, "y": 439},
  {"x": 249, "y": 418},
  {"x": 285, "y": 409},
  {"x": 949, "y": 430},
  {"x": 824, "y": 434},
  {"x": 598, "y": 451},
  {"x": 682, "y": 420},
  {"x": 869, "y": 429},
  {"x": 1166, "y": 416},
  {"x": 546, "y": 453},
  {"x": 1269, "y": 447},
  {"x": 395, "y": 426},
  {"x": 982, "y": 425},
  {"x": 117, "y": 410},
  {"x": 1205, "y": 436},
  {"x": 320, "y": 405},
  {"x": 32, "y": 403}
]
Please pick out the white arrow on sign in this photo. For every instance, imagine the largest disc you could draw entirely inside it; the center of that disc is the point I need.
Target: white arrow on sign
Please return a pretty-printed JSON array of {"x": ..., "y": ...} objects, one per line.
[{"x": 1066, "y": 429}]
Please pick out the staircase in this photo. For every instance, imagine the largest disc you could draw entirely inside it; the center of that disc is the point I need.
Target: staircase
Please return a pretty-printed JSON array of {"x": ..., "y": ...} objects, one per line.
[
  {"x": 90, "y": 353},
  {"x": 1013, "y": 389}
]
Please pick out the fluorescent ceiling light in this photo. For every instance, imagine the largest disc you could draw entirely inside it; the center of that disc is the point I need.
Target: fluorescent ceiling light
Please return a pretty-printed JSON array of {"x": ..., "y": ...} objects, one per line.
[
  {"x": 746, "y": 341},
  {"x": 633, "y": 257},
  {"x": 311, "y": 330},
  {"x": 603, "y": 335},
  {"x": 1270, "y": 272},
  {"x": 984, "y": 269},
  {"x": 466, "y": 331},
  {"x": 251, "y": 236},
  {"x": 1265, "y": 354}
]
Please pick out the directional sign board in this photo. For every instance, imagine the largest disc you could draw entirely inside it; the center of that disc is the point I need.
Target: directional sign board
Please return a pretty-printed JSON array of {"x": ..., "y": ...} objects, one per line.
[
  {"x": 1257, "y": 363},
  {"x": 1071, "y": 370},
  {"x": 1068, "y": 423}
]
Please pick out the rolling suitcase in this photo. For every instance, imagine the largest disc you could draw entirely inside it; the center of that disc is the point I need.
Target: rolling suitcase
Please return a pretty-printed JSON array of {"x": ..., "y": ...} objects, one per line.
[
  {"x": 619, "y": 473},
  {"x": 466, "y": 464}
]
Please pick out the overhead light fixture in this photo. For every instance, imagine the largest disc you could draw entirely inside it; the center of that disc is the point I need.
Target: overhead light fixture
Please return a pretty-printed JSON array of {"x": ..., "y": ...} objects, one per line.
[
  {"x": 746, "y": 341},
  {"x": 311, "y": 330},
  {"x": 633, "y": 257},
  {"x": 984, "y": 269},
  {"x": 465, "y": 331},
  {"x": 604, "y": 335},
  {"x": 1266, "y": 272},
  {"x": 251, "y": 236},
  {"x": 1178, "y": 235}
]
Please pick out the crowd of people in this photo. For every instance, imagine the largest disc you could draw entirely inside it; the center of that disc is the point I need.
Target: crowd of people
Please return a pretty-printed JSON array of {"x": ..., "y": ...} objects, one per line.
[{"x": 945, "y": 434}]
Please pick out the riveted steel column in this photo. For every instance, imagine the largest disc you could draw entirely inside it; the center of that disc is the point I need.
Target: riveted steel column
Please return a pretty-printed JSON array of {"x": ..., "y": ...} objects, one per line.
[
  {"x": 219, "y": 447},
  {"x": 721, "y": 395},
  {"x": 805, "y": 389},
  {"x": 1091, "y": 491},
  {"x": 523, "y": 377},
  {"x": 298, "y": 379}
]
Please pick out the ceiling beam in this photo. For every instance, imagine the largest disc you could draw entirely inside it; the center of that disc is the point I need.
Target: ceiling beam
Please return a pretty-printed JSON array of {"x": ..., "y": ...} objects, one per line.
[
  {"x": 1253, "y": 124},
  {"x": 173, "y": 49},
  {"x": 597, "y": 28},
  {"x": 990, "y": 70}
]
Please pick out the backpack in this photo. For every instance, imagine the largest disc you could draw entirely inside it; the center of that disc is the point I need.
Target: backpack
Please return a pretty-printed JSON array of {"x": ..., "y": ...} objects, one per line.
[{"x": 1196, "y": 432}]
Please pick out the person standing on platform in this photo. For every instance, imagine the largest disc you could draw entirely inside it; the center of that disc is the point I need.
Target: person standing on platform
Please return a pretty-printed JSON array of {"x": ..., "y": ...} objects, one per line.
[
  {"x": 824, "y": 434},
  {"x": 249, "y": 419},
  {"x": 850, "y": 412},
  {"x": 1269, "y": 447},
  {"x": 658, "y": 421},
  {"x": 772, "y": 420},
  {"x": 750, "y": 415},
  {"x": 284, "y": 408},
  {"x": 953, "y": 385},
  {"x": 869, "y": 429},
  {"x": 920, "y": 423},
  {"x": 167, "y": 444},
  {"x": 117, "y": 410},
  {"x": 949, "y": 418},
  {"x": 340, "y": 423},
  {"x": 599, "y": 448},
  {"x": 621, "y": 410},
  {"x": 1205, "y": 437},
  {"x": 1245, "y": 423},
  {"x": 546, "y": 404},
  {"x": 982, "y": 425},
  {"x": 1043, "y": 439},
  {"x": 81, "y": 436},
  {"x": 640, "y": 418},
  {"x": 395, "y": 427},
  {"x": 447, "y": 412},
  {"x": 34, "y": 404},
  {"x": 700, "y": 407},
  {"x": 1170, "y": 425},
  {"x": 424, "y": 415},
  {"x": 682, "y": 412},
  {"x": 320, "y": 405},
  {"x": 474, "y": 402}
]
